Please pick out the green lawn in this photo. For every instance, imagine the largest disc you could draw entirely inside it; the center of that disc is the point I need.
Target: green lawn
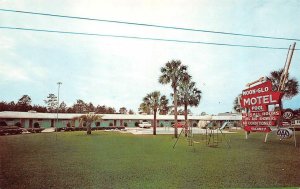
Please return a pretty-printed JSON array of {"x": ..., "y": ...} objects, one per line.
[{"x": 115, "y": 160}]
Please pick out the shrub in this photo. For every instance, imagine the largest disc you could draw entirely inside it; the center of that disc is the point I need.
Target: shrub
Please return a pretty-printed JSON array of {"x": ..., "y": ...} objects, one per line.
[
  {"x": 161, "y": 124},
  {"x": 236, "y": 124},
  {"x": 214, "y": 124},
  {"x": 18, "y": 124},
  {"x": 36, "y": 125}
]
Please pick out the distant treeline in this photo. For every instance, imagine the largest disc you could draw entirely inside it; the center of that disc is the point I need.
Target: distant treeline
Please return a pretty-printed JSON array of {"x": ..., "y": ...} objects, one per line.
[{"x": 24, "y": 105}]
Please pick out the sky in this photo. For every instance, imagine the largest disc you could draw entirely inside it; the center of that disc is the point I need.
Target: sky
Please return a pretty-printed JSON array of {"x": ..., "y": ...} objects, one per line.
[{"x": 119, "y": 72}]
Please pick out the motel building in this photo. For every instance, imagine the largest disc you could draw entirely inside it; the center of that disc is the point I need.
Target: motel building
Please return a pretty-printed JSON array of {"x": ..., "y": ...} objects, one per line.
[{"x": 32, "y": 119}]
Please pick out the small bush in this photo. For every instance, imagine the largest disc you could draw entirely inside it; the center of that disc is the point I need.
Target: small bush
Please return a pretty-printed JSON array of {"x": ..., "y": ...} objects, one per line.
[
  {"x": 18, "y": 124},
  {"x": 214, "y": 124},
  {"x": 161, "y": 124},
  {"x": 236, "y": 124},
  {"x": 36, "y": 125}
]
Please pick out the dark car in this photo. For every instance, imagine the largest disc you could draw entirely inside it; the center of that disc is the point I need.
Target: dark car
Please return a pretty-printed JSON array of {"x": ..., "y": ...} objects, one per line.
[{"x": 9, "y": 129}]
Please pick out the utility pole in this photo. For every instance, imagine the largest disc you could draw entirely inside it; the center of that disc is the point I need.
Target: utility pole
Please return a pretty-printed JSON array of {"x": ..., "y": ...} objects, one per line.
[{"x": 58, "y": 83}]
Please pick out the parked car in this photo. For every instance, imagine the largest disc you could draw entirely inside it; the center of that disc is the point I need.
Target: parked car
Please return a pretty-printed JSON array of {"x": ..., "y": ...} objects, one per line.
[
  {"x": 145, "y": 125},
  {"x": 179, "y": 124},
  {"x": 9, "y": 129}
]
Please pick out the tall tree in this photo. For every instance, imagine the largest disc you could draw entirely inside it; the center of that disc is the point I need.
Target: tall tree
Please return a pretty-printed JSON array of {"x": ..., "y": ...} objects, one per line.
[
  {"x": 80, "y": 106},
  {"x": 179, "y": 111},
  {"x": 173, "y": 72},
  {"x": 203, "y": 113},
  {"x": 144, "y": 109},
  {"x": 188, "y": 95},
  {"x": 3, "y": 106},
  {"x": 88, "y": 119},
  {"x": 25, "y": 99},
  {"x": 51, "y": 103},
  {"x": 164, "y": 106},
  {"x": 39, "y": 108},
  {"x": 100, "y": 109},
  {"x": 123, "y": 110},
  {"x": 24, "y": 103},
  {"x": 291, "y": 88},
  {"x": 156, "y": 103},
  {"x": 90, "y": 107},
  {"x": 130, "y": 111},
  {"x": 110, "y": 110},
  {"x": 11, "y": 106},
  {"x": 63, "y": 107}
]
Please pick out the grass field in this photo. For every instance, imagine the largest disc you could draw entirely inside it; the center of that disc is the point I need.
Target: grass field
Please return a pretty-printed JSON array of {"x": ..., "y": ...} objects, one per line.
[{"x": 115, "y": 160}]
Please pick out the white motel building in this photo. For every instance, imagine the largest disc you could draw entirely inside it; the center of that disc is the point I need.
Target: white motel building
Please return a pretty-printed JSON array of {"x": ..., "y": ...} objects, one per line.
[{"x": 61, "y": 120}]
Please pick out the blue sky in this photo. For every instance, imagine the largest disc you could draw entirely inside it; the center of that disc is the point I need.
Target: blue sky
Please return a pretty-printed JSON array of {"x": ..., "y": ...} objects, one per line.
[{"x": 120, "y": 72}]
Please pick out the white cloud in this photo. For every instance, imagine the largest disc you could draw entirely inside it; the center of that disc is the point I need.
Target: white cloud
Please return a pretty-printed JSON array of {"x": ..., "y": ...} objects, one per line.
[
  {"x": 6, "y": 43},
  {"x": 11, "y": 73}
]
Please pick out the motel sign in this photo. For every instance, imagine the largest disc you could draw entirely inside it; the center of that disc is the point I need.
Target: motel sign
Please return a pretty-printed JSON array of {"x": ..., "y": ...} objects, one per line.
[{"x": 262, "y": 105}]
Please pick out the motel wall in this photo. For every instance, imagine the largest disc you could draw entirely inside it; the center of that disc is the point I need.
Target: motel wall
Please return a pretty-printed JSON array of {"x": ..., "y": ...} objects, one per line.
[{"x": 47, "y": 120}]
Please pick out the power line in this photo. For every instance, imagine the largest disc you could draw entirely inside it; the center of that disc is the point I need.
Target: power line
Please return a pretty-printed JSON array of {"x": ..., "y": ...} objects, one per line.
[
  {"x": 151, "y": 25},
  {"x": 141, "y": 38}
]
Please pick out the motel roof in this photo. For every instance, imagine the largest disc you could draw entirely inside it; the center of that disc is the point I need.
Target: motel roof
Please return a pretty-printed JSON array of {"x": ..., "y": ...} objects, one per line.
[{"x": 37, "y": 115}]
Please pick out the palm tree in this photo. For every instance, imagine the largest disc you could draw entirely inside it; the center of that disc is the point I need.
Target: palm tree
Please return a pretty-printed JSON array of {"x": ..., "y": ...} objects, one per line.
[
  {"x": 173, "y": 72},
  {"x": 144, "y": 108},
  {"x": 291, "y": 87},
  {"x": 88, "y": 119},
  {"x": 155, "y": 103},
  {"x": 188, "y": 95},
  {"x": 164, "y": 106}
]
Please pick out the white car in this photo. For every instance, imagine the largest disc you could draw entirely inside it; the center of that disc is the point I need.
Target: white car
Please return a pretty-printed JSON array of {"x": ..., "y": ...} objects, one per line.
[{"x": 145, "y": 125}]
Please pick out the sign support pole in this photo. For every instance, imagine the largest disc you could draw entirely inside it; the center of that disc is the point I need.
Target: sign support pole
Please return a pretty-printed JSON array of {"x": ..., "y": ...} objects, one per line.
[
  {"x": 295, "y": 137},
  {"x": 266, "y": 137},
  {"x": 247, "y": 134},
  {"x": 284, "y": 78},
  {"x": 286, "y": 68}
]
